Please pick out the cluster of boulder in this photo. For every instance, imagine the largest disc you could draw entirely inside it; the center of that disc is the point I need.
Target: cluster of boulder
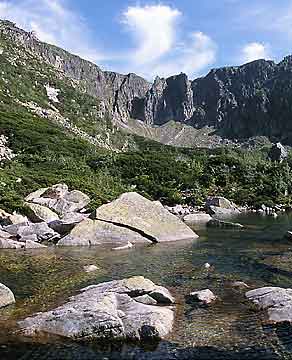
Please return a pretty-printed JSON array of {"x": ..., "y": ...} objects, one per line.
[
  {"x": 214, "y": 214},
  {"x": 58, "y": 216}
]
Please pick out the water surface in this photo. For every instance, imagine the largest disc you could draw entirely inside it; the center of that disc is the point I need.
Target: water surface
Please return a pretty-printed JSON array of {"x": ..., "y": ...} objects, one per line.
[{"x": 229, "y": 329}]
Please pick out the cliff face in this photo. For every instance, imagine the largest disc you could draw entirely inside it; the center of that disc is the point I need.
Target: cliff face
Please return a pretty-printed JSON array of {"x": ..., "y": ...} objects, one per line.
[
  {"x": 238, "y": 102},
  {"x": 117, "y": 92}
]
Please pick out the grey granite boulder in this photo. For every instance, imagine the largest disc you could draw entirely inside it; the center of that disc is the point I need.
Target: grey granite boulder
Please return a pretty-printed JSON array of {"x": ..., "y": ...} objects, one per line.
[
  {"x": 149, "y": 218},
  {"x": 276, "y": 301},
  {"x": 11, "y": 219},
  {"x": 41, "y": 230},
  {"x": 204, "y": 297},
  {"x": 201, "y": 218},
  {"x": 39, "y": 213},
  {"x": 67, "y": 223},
  {"x": 11, "y": 244},
  {"x": 108, "y": 311},
  {"x": 95, "y": 232},
  {"x": 6, "y": 296},
  {"x": 59, "y": 199},
  {"x": 219, "y": 207}
]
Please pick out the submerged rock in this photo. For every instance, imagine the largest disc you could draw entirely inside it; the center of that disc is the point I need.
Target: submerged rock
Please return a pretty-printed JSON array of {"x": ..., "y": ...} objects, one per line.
[
  {"x": 224, "y": 224},
  {"x": 275, "y": 300},
  {"x": 149, "y": 218},
  {"x": 204, "y": 297},
  {"x": 124, "y": 247},
  {"x": 6, "y": 296},
  {"x": 108, "y": 311},
  {"x": 90, "y": 268}
]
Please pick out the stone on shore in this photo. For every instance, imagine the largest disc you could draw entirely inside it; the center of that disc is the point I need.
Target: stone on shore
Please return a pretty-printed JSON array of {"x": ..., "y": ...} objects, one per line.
[
  {"x": 59, "y": 199},
  {"x": 39, "y": 213},
  {"x": 106, "y": 312},
  {"x": 94, "y": 232},
  {"x": 11, "y": 244},
  {"x": 202, "y": 218},
  {"x": 67, "y": 223},
  {"x": 275, "y": 300},
  {"x": 41, "y": 230},
  {"x": 11, "y": 219},
  {"x": 6, "y": 296},
  {"x": 220, "y": 207},
  {"x": 146, "y": 217}
]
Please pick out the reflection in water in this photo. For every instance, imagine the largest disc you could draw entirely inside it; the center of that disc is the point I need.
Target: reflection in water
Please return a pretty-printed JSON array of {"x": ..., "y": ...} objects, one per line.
[{"x": 229, "y": 329}]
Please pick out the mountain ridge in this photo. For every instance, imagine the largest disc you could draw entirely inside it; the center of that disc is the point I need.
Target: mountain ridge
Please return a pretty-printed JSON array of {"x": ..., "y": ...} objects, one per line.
[{"x": 233, "y": 103}]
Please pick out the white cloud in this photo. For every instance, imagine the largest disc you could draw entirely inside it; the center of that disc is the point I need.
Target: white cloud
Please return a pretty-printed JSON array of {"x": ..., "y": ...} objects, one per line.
[
  {"x": 53, "y": 22},
  {"x": 254, "y": 51},
  {"x": 191, "y": 57},
  {"x": 159, "y": 49},
  {"x": 153, "y": 28}
]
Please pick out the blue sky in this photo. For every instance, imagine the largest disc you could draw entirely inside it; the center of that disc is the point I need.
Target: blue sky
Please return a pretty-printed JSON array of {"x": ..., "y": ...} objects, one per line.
[{"x": 160, "y": 38}]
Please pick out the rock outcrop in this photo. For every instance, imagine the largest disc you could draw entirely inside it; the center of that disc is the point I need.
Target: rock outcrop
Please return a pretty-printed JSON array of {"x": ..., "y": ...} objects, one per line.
[
  {"x": 278, "y": 153},
  {"x": 237, "y": 102},
  {"x": 111, "y": 311}
]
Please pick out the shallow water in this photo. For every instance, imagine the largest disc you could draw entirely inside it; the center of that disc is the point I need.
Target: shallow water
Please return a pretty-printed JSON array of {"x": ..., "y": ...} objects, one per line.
[{"x": 229, "y": 329}]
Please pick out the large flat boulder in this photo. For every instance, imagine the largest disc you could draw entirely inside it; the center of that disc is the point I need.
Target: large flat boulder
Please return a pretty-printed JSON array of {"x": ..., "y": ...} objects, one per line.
[
  {"x": 149, "y": 218},
  {"x": 275, "y": 300},
  {"x": 108, "y": 311},
  {"x": 6, "y": 296},
  {"x": 94, "y": 232}
]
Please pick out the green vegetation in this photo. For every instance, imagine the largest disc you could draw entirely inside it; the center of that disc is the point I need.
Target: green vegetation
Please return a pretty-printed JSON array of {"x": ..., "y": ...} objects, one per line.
[{"x": 47, "y": 155}]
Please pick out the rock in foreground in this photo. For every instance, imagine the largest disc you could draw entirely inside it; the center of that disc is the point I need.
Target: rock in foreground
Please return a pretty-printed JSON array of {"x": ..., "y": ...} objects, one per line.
[
  {"x": 275, "y": 300},
  {"x": 109, "y": 312},
  {"x": 6, "y": 296},
  {"x": 204, "y": 297},
  {"x": 148, "y": 218}
]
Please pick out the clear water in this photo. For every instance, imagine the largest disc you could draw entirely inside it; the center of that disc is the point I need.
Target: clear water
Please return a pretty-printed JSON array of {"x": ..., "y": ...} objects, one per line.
[{"x": 229, "y": 329}]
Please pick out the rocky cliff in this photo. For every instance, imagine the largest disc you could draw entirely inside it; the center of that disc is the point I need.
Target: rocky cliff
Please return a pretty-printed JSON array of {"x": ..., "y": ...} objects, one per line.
[{"x": 232, "y": 102}]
